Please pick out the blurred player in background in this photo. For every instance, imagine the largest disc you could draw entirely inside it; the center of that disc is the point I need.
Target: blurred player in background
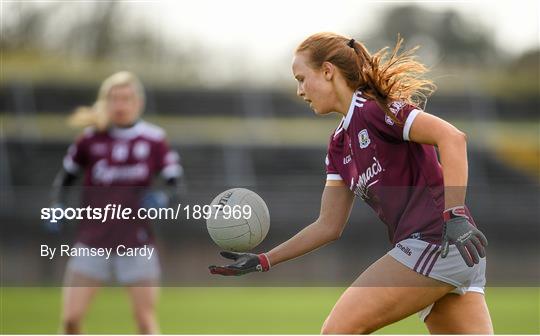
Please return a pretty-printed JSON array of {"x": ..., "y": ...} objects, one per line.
[
  {"x": 384, "y": 152},
  {"x": 118, "y": 154}
]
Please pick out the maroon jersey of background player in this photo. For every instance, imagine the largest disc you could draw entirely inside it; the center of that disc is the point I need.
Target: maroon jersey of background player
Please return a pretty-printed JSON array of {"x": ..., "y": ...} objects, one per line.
[{"x": 119, "y": 164}]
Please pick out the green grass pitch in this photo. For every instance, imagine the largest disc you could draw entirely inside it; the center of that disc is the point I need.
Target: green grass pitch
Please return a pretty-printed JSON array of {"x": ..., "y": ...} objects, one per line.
[{"x": 200, "y": 310}]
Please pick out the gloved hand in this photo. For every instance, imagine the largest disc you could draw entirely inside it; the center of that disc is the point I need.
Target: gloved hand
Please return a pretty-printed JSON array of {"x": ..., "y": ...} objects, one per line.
[
  {"x": 56, "y": 226},
  {"x": 155, "y": 200},
  {"x": 244, "y": 263},
  {"x": 458, "y": 230}
]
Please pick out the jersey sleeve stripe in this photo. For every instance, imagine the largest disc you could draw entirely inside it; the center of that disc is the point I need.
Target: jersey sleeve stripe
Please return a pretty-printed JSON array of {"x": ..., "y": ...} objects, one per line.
[
  {"x": 172, "y": 171},
  {"x": 70, "y": 166},
  {"x": 408, "y": 123},
  {"x": 333, "y": 177}
]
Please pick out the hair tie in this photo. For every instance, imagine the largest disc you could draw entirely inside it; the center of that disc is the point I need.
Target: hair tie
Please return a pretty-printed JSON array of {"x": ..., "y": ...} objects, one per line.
[{"x": 351, "y": 43}]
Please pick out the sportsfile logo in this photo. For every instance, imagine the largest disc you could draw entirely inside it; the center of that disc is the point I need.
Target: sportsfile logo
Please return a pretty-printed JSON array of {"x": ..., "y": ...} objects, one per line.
[
  {"x": 405, "y": 249},
  {"x": 113, "y": 212}
]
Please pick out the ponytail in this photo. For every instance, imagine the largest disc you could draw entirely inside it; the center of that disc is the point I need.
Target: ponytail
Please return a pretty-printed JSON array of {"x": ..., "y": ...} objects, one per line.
[
  {"x": 384, "y": 76},
  {"x": 96, "y": 115},
  {"x": 90, "y": 116}
]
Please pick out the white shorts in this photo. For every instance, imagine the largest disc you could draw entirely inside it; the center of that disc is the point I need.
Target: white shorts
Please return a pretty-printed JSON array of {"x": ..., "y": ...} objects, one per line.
[
  {"x": 424, "y": 258},
  {"x": 124, "y": 269}
]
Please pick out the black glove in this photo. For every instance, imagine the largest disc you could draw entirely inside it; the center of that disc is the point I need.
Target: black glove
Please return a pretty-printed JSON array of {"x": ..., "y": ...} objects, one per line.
[
  {"x": 244, "y": 263},
  {"x": 458, "y": 230}
]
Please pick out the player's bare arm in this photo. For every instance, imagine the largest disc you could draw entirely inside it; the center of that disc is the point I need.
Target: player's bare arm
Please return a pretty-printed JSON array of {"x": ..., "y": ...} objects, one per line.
[
  {"x": 336, "y": 205},
  {"x": 452, "y": 145}
]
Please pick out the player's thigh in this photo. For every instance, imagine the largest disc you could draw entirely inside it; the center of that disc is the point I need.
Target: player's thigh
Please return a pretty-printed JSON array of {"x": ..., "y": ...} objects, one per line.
[
  {"x": 384, "y": 293},
  {"x": 77, "y": 294},
  {"x": 460, "y": 314},
  {"x": 137, "y": 270}
]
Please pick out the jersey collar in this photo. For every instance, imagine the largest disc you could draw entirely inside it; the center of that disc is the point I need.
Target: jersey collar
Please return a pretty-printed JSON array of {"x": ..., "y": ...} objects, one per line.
[
  {"x": 127, "y": 132},
  {"x": 357, "y": 101}
]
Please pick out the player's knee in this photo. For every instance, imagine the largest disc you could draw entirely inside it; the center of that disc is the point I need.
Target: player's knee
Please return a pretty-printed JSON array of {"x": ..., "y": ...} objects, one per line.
[
  {"x": 344, "y": 330},
  {"x": 333, "y": 327},
  {"x": 146, "y": 322}
]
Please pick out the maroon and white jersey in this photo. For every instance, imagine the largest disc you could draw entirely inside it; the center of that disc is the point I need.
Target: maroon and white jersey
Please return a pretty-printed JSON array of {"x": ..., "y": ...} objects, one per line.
[
  {"x": 401, "y": 180},
  {"x": 118, "y": 166}
]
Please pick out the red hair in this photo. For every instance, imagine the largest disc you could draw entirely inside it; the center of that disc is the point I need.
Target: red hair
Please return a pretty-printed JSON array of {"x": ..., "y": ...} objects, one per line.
[{"x": 384, "y": 76}]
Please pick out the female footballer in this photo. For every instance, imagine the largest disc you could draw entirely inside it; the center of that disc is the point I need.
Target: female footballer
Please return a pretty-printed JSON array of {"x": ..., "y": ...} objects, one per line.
[
  {"x": 118, "y": 155},
  {"x": 383, "y": 151}
]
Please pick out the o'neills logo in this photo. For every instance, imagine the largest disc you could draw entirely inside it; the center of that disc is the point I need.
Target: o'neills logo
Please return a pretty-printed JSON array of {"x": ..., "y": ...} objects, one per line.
[
  {"x": 224, "y": 199},
  {"x": 364, "y": 179},
  {"x": 405, "y": 249},
  {"x": 103, "y": 173}
]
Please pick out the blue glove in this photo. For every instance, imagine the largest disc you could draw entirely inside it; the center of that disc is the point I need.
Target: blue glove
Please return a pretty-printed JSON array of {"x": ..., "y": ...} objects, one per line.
[
  {"x": 54, "y": 227},
  {"x": 155, "y": 200}
]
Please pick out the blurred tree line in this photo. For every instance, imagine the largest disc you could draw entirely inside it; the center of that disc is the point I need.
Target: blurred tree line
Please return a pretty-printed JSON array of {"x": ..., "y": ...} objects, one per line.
[
  {"x": 92, "y": 29},
  {"x": 443, "y": 33},
  {"x": 105, "y": 32}
]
